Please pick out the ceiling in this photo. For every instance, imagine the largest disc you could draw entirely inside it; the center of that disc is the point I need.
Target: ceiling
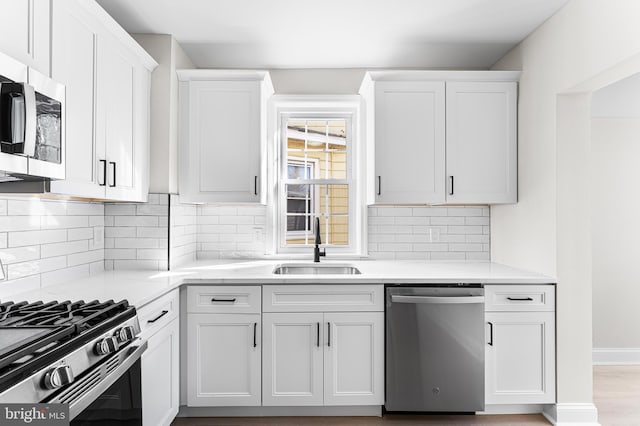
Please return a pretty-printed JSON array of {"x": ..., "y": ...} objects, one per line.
[{"x": 469, "y": 34}]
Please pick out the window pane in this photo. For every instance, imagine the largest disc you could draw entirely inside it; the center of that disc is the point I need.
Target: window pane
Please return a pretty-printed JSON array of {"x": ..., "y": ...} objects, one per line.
[
  {"x": 328, "y": 202},
  {"x": 322, "y": 143}
]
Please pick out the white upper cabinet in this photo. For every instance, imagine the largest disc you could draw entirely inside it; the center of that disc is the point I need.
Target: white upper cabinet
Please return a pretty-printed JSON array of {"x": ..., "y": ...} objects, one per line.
[
  {"x": 481, "y": 142},
  {"x": 410, "y": 142},
  {"x": 222, "y": 135},
  {"x": 107, "y": 79},
  {"x": 24, "y": 32},
  {"x": 441, "y": 137}
]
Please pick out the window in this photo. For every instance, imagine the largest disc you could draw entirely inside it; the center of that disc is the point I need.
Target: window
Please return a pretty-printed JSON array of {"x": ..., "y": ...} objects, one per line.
[{"x": 316, "y": 179}]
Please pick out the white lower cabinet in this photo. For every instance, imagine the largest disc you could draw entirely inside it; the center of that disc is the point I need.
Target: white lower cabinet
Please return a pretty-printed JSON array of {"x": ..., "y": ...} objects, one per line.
[
  {"x": 160, "y": 377},
  {"x": 520, "y": 350},
  {"x": 223, "y": 360},
  {"x": 293, "y": 353},
  {"x": 323, "y": 358},
  {"x": 354, "y": 358},
  {"x": 160, "y": 364}
]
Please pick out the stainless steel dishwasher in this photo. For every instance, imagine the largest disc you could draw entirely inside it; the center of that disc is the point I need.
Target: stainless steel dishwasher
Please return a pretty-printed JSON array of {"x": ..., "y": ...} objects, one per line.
[{"x": 435, "y": 348}]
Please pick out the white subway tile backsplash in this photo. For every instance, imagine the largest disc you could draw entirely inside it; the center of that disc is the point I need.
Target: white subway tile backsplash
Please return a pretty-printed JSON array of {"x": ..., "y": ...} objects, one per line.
[
  {"x": 34, "y": 267},
  {"x": 91, "y": 256},
  {"x": 135, "y": 220},
  {"x": 29, "y": 238},
  {"x": 59, "y": 249},
  {"x": 80, "y": 234},
  {"x": 435, "y": 233},
  {"x": 60, "y": 222}
]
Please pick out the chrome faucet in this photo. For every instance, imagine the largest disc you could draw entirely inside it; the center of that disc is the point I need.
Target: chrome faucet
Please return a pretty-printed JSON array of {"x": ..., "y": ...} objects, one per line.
[{"x": 316, "y": 250}]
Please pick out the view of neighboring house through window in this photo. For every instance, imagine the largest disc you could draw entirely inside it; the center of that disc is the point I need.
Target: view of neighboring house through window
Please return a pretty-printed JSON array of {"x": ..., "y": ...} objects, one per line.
[{"x": 316, "y": 181}]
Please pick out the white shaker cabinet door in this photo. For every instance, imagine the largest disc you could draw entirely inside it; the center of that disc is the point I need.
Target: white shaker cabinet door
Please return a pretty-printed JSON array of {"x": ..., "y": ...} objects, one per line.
[
  {"x": 73, "y": 64},
  {"x": 292, "y": 363},
  {"x": 24, "y": 32},
  {"x": 115, "y": 78},
  {"x": 354, "y": 358},
  {"x": 481, "y": 142},
  {"x": 161, "y": 377},
  {"x": 520, "y": 358},
  {"x": 223, "y": 360},
  {"x": 222, "y": 149},
  {"x": 409, "y": 142}
]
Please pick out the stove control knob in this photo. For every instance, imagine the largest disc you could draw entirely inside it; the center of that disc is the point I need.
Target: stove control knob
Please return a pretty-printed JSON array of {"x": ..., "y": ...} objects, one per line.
[
  {"x": 125, "y": 334},
  {"x": 106, "y": 346},
  {"x": 58, "y": 376}
]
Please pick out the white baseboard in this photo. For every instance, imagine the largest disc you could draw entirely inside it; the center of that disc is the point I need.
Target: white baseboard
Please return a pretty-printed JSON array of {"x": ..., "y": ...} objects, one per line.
[
  {"x": 572, "y": 414},
  {"x": 491, "y": 409},
  {"x": 616, "y": 356},
  {"x": 365, "y": 410}
]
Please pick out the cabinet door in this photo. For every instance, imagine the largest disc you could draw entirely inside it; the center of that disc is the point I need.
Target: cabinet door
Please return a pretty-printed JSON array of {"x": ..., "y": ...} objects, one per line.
[
  {"x": 221, "y": 162},
  {"x": 481, "y": 142},
  {"x": 354, "y": 358},
  {"x": 161, "y": 377},
  {"x": 409, "y": 142},
  {"x": 115, "y": 92},
  {"x": 292, "y": 364},
  {"x": 24, "y": 32},
  {"x": 520, "y": 358},
  {"x": 223, "y": 360},
  {"x": 73, "y": 64}
]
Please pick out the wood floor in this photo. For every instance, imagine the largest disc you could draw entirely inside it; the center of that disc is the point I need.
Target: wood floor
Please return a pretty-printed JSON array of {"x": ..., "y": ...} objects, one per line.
[{"x": 616, "y": 394}]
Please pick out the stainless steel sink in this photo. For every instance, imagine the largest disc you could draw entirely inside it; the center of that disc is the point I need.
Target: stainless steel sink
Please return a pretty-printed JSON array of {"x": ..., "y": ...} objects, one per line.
[{"x": 316, "y": 269}]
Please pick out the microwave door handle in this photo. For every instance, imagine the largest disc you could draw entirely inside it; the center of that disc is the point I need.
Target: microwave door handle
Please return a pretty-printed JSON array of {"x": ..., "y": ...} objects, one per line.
[{"x": 30, "y": 121}]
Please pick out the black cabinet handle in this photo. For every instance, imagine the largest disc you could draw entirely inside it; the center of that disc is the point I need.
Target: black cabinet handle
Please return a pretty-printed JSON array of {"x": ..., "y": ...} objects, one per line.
[
  {"x": 255, "y": 185},
  {"x": 328, "y": 334},
  {"x": 104, "y": 173},
  {"x": 151, "y": 321},
  {"x": 379, "y": 185},
  {"x": 521, "y": 298},
  {"x": 318, "y": 335},
  {"x": 114, "y": 173},
  {"x": 233, "y": 299},
  {"x": 451, "y": 179},
  {"x": 490, "y": 334},
  {"x": 255, "y": 332}
]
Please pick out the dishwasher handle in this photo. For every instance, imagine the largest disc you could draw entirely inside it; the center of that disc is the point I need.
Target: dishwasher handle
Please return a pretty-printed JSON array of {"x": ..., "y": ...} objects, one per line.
[{"x": 437, "y": 299}]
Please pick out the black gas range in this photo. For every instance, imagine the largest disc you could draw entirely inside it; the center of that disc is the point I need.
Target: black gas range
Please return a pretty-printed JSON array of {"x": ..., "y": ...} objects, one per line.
[{"x": 73, "y": 353}]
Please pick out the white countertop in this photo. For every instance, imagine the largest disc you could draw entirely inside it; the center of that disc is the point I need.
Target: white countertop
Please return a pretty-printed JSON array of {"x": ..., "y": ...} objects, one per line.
[{"x": 141, "y": 287}]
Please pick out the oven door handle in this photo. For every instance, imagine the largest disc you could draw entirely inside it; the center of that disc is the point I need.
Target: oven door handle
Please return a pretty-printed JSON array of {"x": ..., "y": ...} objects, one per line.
[
  {"x": 438, "y": 299},
  {"x": 84, "y": 398}
]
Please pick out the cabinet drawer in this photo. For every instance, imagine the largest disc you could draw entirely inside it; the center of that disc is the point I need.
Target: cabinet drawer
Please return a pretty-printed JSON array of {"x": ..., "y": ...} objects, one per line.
[
  {"x": 159, "y": 313},
  {"x": 323, "y": 298},
  {"x": 520, "y": 298},
  {"x": 223, "y": 299}
]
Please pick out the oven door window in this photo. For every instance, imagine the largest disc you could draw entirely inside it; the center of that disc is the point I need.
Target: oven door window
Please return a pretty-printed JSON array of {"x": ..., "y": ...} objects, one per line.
[{"x": 119, "y": 405}]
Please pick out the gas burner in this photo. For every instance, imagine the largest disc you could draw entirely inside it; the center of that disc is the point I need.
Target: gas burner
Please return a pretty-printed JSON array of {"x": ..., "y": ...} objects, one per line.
[{"x": 33, "y": 335}]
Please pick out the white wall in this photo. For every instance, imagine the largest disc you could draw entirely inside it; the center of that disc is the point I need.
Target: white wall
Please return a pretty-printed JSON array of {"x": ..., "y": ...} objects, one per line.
[
  {"x": 574, "y": 50},
  {"x": 615, "y": 139},
  {"x": 163, "y": 177}
]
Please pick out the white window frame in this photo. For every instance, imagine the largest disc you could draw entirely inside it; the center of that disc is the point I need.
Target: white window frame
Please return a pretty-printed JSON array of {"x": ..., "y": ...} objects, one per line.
[
  {"x": 283, "y": 108},
  {"x": 314, "y": 204}
]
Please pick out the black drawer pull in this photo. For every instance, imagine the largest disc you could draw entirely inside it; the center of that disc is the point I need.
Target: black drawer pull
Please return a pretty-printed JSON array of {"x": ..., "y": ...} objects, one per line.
[
  {"x": 104, "y": 173},
  {"x": 318, "y": 335},
  {"x": 522, "y": 299},
  {"x": 255, "y": 332},
  {"x": 233, "y": 299},
  {"x": 490, "y": 334},
  {"x": 151, "y": 321},
  {"x": 329, "y": 334}
]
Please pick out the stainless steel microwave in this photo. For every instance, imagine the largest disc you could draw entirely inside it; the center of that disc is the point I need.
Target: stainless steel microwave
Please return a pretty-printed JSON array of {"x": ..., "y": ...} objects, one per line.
[{"x": 32, "y": 133}]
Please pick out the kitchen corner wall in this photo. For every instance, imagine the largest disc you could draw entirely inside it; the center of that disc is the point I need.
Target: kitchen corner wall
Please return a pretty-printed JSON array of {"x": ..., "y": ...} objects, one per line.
[
  {"x": 44, "y": 242},
  {"x": 150, "y": 235}
]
